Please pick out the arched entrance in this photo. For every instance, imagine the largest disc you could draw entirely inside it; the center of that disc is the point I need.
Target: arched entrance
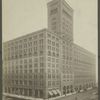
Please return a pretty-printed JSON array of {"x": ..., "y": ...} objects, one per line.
[
  {"x": 64, "y": 90},
  {"x": 71, "y": 88},
  {"x": 68, "y": 89}
]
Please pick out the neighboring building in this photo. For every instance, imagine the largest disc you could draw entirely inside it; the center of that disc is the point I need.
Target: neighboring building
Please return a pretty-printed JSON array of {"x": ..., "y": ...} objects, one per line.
[
  {"x": 84, "y": 63},
  {"x": 47, "y": 63}
]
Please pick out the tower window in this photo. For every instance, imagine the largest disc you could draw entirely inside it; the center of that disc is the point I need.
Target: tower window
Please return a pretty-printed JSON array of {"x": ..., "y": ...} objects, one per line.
[{"x": 53, "y": 11}]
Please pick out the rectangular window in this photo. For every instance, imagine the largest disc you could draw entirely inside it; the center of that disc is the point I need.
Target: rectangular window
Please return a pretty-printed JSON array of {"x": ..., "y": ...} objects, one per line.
[
  {"x": 49, "y": 83},
  {"x": 30, "y": 71},
  {"x": 49, "y": 47},
  {"x": 49, "y": 64},
  {"x": 54, "y": 11},
  {"x": 30, "y": 82},
  {"x": 41, "y": 52},
  {"x": 49, "y": 76},
  {"x": 49, "y": 41},
  {"x": 36, "y": 65},
  {"x": 49, "y": 59},
  {"x": 36, "y": 70},
  {"x": 35, "y": 37},
  {"x": 41, "y": 64},
  {"x": 41, "y": 70},
  {"x": 49, "y": 53},
  {"x": 49, "y": 35},
  {"x": 41, "y": 35}
]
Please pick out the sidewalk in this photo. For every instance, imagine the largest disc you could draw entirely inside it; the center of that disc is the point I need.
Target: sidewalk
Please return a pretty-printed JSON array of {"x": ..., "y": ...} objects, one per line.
[
  {"x": 31, "y": 98},
  {"x": 61, "y": 96}
]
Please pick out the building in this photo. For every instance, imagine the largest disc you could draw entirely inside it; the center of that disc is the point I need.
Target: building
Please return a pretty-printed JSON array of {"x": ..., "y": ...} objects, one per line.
[
  {"x": 47, "y": 63},
  {"x": 84, "y": 68}
]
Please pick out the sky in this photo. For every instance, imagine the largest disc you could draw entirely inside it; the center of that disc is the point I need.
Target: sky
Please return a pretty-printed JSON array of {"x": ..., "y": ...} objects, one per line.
[{"x": 20, "y": 17}]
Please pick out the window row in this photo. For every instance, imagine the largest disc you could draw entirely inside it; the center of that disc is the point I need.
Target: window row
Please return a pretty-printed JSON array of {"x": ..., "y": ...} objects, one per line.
[
  {"x": 53, "y": 76},
  {"x": 53, "y": 83},
  {"x": 53, "y": 54},
  {"x": 23, "y": 55}
]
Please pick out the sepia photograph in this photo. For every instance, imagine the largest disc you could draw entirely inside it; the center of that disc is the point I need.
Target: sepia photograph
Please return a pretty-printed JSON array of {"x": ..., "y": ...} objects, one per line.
[{"x": 49, "y": 50}]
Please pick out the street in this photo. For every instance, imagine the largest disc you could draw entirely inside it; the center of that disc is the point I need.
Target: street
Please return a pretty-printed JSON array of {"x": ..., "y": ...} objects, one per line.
[{"x": 88, "y": 95}]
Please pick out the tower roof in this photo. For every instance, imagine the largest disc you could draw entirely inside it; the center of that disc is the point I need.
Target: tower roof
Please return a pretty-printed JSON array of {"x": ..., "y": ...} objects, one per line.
[{"x": 50, "y": 2}]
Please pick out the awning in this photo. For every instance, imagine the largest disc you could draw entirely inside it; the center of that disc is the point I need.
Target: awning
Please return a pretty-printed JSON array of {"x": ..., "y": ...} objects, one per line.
[
  {"x": 54, "y": 91},
  {"x": 58, "y": 91},
  {"x": 50, "y": 93}
]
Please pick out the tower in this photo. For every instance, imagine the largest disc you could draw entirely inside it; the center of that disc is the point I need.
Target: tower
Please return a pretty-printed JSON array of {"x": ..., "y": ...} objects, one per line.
[{"x": 60, "y": 19}]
